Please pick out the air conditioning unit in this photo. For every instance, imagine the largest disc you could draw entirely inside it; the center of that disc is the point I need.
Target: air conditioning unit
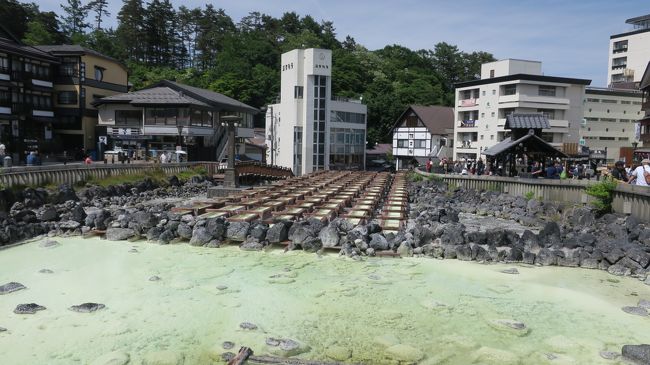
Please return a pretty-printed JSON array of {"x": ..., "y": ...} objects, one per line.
[{"x": 583, "y": 122}]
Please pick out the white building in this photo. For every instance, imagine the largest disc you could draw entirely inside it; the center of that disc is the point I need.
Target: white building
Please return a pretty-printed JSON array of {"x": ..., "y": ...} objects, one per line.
[
  {"x": 422, "y": 132},
  {"x": 309, "y": 130},
  {"x": 515, "y": 86},
  {"x": 610, "y": 118},
  {"x": 629, "y": 53}
]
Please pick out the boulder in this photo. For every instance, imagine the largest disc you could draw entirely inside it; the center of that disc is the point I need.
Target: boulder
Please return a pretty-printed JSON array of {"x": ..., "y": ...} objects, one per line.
[
  {"x": 329, "y": 236},
  {"x": 546, "y": 257},
  {"x": 49, "y": 214},
  {"x": 637, "y": 353},
  {"x": 119, "y": 234},
  {"x": 28, "y": 308},
  {"x": 154, "y": 233},
  {"x": 463, "y": 252},
  {"x": 11, "y": 287},
  {"x": 216, "y": 227},
  {"x": 278, "y": 232},
  {"x": 87, "y": 307},
  {"x": 378, "y": 242},
  {"x": 78, "y": 214},
  {"x": 184, "y": 231},
  {"x": 146, "y": 220},
  {"x": 258, "y": 231},
  {"x": 251, "y": 244},
  {"x": 64, "y": 194},
  {"x": 200, "y": 237},
  {"x": 311, "y": 244},
  {"x": 69, "y": 225},
  {"x": 637, "y": 311},
  {"x": 238, "y": 231},
  {"x": 289, "y": 348}
]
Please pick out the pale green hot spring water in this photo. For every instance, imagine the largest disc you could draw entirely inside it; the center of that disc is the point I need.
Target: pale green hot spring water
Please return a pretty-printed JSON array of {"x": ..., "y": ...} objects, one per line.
[{"x": 377, "y": 311}]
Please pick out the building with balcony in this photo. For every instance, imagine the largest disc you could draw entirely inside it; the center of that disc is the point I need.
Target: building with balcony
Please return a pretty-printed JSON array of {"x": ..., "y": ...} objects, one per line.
[
  {"x": 629, "y": 54},
  {"x": 309, "y": 130},
  {"x": 609, "y": 124},
  {"x": 515, "y": 86},
  {"x": 422, "y": 132},
  {"x": 26, "y": 97},
  {"x": 82, "y": 76},
  {"x": 169, "y": 116}
]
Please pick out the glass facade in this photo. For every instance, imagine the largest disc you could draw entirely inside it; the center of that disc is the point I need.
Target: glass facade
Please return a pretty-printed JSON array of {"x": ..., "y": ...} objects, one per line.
[
  {"x": 346, "y": 148},
  {"x": 347, "y": 117},
  {"x": 320, "y": 98}
]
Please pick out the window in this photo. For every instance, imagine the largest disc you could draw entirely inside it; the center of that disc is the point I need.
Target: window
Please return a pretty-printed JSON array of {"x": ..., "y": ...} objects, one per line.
[
  {"x": 483, "y": 93},
  {"x": 620, "y": 46},
  {"x": 481, "y": 137},
  {"x": 623, "y": 138},
  {"x": 619, "y": 62},
  {"x": 607, "y": 138},
  {"x": 99, "y": 73},
  {"x": 492, "y": 137},
  {"x": 420, "y": 143},
  {"x": 402, "y": 143},
  {"x": 624, "y": 120},
  {"x": 636, "y": 103},
  {"x": 128, "y": 117},
  {"x": 482, "y": 115},
  {"x": 548, "y": 113},
  {"x": 510, "y": 89},
  {"x": 410, "y": 135},
  {"x": 161, "y": 116},
  {"x": 492, "y": 114},
  {"x": 67, "y": 97},
  {"x": 494, "y": 92},
  {"x": 491, "y": 73},
  {"x": 593, "y": 100},
  {"x": 547, "y": 90},
  {"x": 4, "y": 64},
  {"x": 359, "y": 118},
  {"x": 609, "y": 101},
  {"x": 625, "y": 102},
  {"x": 607, "y": 120},
  {"x": 297, "y": 92}
]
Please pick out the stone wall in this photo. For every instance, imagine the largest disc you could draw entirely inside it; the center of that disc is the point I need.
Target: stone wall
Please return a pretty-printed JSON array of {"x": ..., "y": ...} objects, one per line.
[{"x": 628, "y": 199}]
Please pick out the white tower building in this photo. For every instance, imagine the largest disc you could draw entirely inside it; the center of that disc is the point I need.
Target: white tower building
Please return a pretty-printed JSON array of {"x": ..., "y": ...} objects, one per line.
[{"x": 308, "y": 129}]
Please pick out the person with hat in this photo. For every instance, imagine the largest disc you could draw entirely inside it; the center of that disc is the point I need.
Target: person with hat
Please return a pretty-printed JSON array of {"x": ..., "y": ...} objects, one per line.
[
  {"x": 618, "y": 172},
  {"x": 641, "y": 174}
]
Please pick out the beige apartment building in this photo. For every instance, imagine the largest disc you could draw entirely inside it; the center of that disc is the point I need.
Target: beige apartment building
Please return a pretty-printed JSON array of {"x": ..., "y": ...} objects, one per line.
[
  {"x": 629, "y": 53},
  {"x": 610, "y": 120}
]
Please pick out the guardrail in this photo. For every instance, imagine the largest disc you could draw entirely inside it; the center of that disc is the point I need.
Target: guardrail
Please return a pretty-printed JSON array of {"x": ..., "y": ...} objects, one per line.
[
  {"x": 73, "y": 173},
  {"x": 627, "y": 199}
]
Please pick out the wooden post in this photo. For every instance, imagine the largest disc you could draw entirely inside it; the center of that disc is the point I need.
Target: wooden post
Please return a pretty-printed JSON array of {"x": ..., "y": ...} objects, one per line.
[{"x": 243, "y": 354}]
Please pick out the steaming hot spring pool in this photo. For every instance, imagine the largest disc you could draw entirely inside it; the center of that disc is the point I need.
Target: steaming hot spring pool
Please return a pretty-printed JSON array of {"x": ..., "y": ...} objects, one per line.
[{"x": 179, "y": 304}]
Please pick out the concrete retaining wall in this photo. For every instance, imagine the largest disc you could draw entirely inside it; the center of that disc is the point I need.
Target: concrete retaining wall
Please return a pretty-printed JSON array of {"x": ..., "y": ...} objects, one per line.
[
  {"x": 628, "y": 199},
  {"x": 60, "y": 174}
]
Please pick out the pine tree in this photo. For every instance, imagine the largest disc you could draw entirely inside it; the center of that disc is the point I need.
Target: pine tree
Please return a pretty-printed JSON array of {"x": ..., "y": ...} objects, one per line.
[
  {"x": 74, "y": 19},
  {"x": 130, "y": 29},
  {"x": 100, "y": 9}
]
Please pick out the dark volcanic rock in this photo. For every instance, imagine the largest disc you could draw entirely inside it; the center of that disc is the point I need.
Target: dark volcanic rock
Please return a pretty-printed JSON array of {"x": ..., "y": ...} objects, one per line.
[
  {"x": 119, "y": 234},
  {"x": 49, "y": 214},
  {"x": 638, "y": 353},
  {"x": 227, "y": 345},
  {"x": 247, "y": 326},
  {"x": 251, "y": 244},
  {"x": 238, "y": 231},
  {"x": 216, "y": 227},
  {"x": 279, "y": 232},
  {"x": 28, "y": 308},
  {"x": 378, "y": 242},
  {"x": 200, "y": 237},
  {"x": 638, "y": 311},
  {"x": 11, "y": 287},
  {"x": 87, "y": 307},
  {"x": 78, "y": 214}
]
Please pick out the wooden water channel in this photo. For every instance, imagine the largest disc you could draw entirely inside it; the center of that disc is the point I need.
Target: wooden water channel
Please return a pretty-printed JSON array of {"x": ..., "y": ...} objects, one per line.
[{"x": 357, "y": 196}]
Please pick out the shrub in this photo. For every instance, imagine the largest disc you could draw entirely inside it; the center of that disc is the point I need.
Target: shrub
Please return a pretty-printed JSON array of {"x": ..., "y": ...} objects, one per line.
[
  {"x": 603, "y": 192},
  {"x": 529, "y": 195}
]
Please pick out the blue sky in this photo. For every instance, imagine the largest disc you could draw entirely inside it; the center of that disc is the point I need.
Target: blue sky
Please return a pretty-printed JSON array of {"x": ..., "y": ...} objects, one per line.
[{"x": 570, "y": 37}]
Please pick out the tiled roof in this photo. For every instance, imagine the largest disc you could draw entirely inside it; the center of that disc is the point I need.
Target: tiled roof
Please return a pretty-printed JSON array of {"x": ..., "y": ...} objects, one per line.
[
  {"x": 153, "y": 96},
  {"x": 526, "y": 121},
  {"x": 209, "y": 96},
  {"x": 380, "y": 149},
  {"x": 75, "y": 49},
  {"x": 530, "y": 140}
]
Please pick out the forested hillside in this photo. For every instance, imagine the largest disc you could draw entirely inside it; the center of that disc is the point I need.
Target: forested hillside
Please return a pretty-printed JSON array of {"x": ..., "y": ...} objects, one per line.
[{"x": 205, "y": 47}]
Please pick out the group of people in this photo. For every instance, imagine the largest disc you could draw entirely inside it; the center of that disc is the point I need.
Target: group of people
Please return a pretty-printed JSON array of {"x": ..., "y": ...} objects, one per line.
[{"x": 638, "y": 175}]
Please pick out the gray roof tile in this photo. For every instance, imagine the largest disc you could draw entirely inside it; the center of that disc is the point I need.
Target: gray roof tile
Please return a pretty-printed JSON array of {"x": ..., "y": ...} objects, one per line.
[{"x": 526, "y": 121}]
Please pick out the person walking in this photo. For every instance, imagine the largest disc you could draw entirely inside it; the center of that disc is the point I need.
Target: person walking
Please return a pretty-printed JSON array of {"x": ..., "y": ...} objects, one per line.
[
  {"x": 429, "y": 165},
  {"x": 641, "y": 174},
  {"x": 618, "y": 172},
  {"x": 163, "y": 158}
]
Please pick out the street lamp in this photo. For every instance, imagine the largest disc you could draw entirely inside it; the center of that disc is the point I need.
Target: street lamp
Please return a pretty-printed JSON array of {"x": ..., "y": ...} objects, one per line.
[{"x": 231, "y": 122}]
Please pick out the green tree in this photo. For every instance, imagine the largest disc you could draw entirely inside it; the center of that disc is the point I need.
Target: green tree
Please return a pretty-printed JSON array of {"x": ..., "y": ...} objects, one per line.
[
  {"x": 74, "y": 19},
  {"x": 38, "y": 34},
  {"x": 129, "y": 31},
  {"x": 100, "y": 9}
]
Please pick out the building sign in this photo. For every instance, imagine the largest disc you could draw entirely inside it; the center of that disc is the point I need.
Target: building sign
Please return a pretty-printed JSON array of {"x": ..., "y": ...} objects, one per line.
[
  {"x": 103, "y": 139},
  {"x": 637, "y": 131}
]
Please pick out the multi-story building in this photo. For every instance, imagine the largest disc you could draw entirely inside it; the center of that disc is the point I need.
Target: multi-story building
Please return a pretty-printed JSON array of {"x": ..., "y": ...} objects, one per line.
[
  {"x": 26, "y": 90},
  {"x": 422, "y": 132},
  {"x": 515, "y": 86},
  {"x": 629, "y": 54},
  {"x": 83, "y": 76},
  {"x": 308, "y": 129},
  {"x": 644, "y": 121},
  {"x": 610, "y": 119},
  {"x": 169, "y": 116}
]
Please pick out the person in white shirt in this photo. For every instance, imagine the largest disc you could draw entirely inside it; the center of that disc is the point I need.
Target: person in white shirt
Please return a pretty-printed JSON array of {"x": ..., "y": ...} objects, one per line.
[
  {"x": 163, "y": 158},
  {"x": 639, "y": 173}
]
